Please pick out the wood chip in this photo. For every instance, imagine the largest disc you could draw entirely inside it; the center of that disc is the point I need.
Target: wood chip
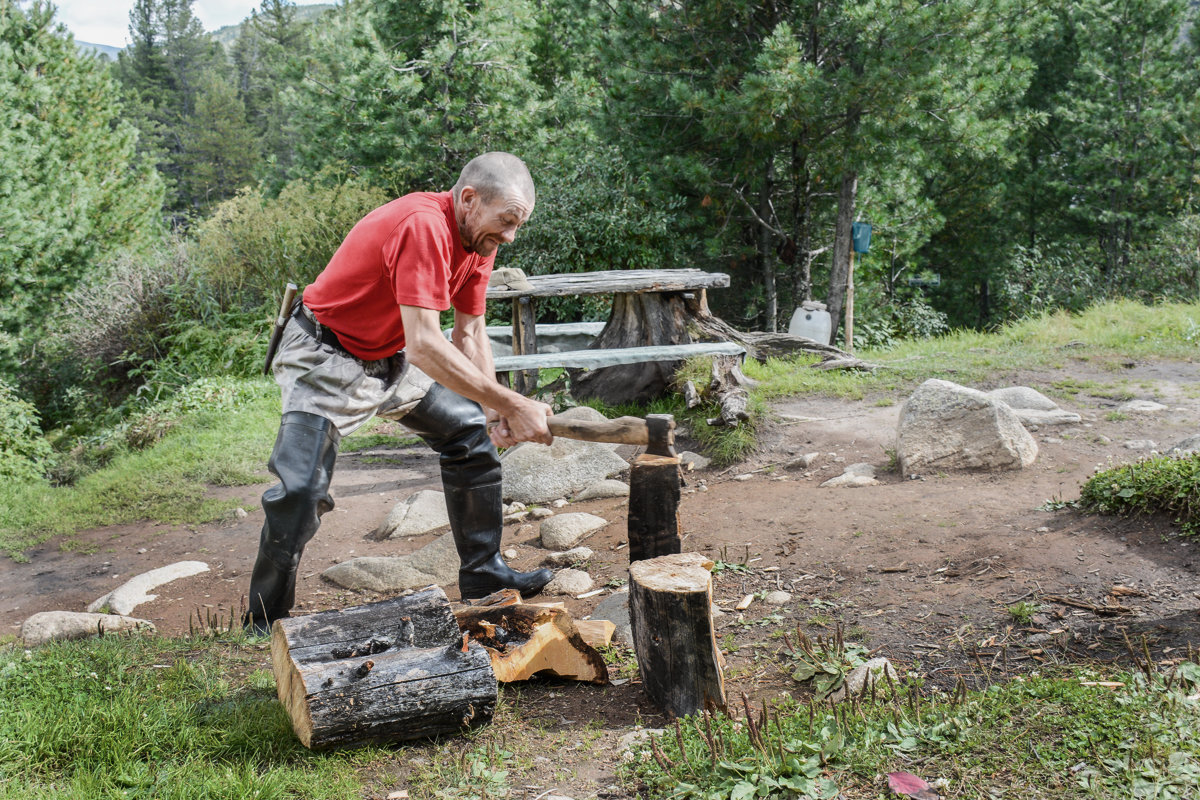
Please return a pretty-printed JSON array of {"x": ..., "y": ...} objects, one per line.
[
  {"x": 1125, "y": 591},
  {"x": 901, "y": 567},
  {"x": 745, "y": 603}
]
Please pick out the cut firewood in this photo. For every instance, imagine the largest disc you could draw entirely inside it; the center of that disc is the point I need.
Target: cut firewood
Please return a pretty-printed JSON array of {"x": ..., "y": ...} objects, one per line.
[
  {"x": 524, "y": 640},
  {"x": 670, "y": 609},
  {"x": 389, "y": 671},
  {"x": 596, "y": 632},
  {"x": 654, "y": 527}
]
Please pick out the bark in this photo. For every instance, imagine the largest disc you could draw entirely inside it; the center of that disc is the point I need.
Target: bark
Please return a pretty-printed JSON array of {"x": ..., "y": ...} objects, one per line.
[
  {"x": 841, "y": 250},
  {"x": 654, "y": 492}
]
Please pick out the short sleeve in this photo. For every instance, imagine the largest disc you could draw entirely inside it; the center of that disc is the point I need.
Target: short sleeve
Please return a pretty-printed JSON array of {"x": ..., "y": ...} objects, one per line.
[
  {"x": 471, "y": 296},
  {"x": 416, "y": 259}
]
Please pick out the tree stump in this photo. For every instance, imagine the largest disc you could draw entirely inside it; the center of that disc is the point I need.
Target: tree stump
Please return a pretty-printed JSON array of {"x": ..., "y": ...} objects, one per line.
[
  {"x": 654, "y": 491},
  {"x": 396, "y": 670},
  {"x": 670, "y": 609}
]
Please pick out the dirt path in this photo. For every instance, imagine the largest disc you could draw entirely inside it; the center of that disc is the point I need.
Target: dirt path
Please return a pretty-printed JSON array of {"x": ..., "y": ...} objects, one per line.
[{"x": 924, "y": 570}]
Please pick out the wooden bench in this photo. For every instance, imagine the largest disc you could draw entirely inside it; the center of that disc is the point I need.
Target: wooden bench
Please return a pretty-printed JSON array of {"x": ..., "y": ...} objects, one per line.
[{"x": 593, "y": 359}]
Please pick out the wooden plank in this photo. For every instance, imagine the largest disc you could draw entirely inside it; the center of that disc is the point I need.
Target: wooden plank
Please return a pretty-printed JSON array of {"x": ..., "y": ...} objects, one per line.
[
  {"x": 592, "y": 359},
  {"x": 614, "y": 282}
]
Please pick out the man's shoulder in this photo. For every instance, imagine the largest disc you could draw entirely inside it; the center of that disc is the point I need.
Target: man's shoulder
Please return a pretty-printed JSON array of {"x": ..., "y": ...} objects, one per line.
[{"x": 416, "y": 205}]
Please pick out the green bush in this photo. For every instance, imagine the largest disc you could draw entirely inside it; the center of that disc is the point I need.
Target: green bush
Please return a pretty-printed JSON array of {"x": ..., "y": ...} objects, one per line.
[
  {"x": 1165, "y": 483},
  {"x": 253, "y": 244},
  {"x": 23, "y": 450}
]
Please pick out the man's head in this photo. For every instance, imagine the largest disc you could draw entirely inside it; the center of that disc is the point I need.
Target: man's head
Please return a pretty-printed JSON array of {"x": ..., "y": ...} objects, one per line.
[{"x": 493, "y": 197}]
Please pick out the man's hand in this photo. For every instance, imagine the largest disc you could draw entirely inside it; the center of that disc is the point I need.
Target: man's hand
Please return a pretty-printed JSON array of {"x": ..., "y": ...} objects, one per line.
[{"x": 525, "y": 422}]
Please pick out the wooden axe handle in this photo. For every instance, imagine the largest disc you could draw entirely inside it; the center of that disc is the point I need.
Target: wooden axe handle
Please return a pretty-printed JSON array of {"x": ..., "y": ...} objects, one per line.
[{"x": 622, "y": 430}]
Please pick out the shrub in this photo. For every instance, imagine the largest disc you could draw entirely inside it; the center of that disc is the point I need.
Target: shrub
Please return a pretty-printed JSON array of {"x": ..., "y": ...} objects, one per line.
[
  {"x": 24, "y": 452},
  {"x": 1165, "y": 483},
  {"x": 253, "y": 244}
]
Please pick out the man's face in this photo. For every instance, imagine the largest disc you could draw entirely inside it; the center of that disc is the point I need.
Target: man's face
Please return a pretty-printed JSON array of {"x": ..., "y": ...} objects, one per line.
[{"x": 484, "y": 226}]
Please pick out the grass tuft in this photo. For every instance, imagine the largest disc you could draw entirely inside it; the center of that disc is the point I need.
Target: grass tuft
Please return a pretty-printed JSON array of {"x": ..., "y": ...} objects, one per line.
[{"x": 1167, "y": 484}]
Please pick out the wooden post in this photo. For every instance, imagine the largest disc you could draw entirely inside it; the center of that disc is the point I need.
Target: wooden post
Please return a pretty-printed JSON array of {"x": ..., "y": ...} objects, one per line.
[
  {"x": 654, "y": 490},
  {"x": 524, "y": 341},
  {"x": 850, "y": 304},
  {"x": 391, "y": 671},
  {"x": 670, "y": 610}
]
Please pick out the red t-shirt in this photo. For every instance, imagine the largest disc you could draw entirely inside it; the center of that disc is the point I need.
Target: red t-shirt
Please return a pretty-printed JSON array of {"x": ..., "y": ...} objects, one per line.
[{"x": 407, "y": 252}]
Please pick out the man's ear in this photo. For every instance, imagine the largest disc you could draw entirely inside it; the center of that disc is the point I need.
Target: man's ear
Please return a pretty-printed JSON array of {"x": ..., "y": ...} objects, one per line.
[{"x": 468, "y": 196}]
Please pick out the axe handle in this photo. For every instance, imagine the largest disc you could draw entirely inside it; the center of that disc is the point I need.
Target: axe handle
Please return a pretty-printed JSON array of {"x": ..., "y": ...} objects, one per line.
[{"x": 622, "y": 430}]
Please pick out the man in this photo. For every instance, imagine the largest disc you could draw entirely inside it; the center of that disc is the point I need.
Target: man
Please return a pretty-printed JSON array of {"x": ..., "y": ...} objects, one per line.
[{"x": 366, "y": 340}]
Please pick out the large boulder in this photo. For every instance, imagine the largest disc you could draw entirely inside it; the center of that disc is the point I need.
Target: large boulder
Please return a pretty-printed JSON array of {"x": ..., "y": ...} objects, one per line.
[
  {"x": 136, "y": 591},
  {"x": 535, "y": 473},
  {"x": 419, "y": 513},
  {"x": 944, "y": 426},
  {"x": 50, "y": 626},
  {"x": 436, "y": 562},
  {"x": 566, "y": 530},
  {"x": 1032, "y": 407}
]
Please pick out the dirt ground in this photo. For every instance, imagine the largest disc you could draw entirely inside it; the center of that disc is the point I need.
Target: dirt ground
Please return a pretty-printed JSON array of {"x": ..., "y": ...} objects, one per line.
[{"x": 922, "y": 570}]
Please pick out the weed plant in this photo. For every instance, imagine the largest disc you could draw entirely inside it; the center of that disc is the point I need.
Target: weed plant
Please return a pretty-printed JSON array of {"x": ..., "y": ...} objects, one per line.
[{"x": 1168, "y": 484}]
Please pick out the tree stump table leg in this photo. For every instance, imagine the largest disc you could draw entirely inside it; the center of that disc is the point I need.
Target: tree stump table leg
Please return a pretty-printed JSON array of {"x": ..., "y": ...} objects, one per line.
[
  {"x": 654, "y": 491},
  {"x": 670, "y": 609}
]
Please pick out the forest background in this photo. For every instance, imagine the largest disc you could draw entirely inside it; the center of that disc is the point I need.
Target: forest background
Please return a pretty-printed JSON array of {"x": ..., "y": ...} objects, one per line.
[{"x": 1012, "y": 156}]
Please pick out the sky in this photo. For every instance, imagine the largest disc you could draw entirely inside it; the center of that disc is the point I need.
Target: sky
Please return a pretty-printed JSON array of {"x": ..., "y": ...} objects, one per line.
[{"x": 107, "y": 21}]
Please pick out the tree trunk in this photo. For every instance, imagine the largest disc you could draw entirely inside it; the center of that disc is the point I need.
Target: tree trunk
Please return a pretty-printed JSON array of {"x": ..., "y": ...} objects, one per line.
[
  {"x": 841, "y": 251},
  {"x": 765, "y": 254},
  {"x": 670, "y": 610}
]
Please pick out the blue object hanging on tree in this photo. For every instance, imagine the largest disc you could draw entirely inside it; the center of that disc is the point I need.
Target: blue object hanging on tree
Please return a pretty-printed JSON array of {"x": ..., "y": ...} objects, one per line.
[{"x": 860, "y": 233}]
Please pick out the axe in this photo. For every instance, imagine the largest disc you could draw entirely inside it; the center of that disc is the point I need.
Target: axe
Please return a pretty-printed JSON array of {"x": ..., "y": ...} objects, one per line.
[{"x": 656, "y": 432}]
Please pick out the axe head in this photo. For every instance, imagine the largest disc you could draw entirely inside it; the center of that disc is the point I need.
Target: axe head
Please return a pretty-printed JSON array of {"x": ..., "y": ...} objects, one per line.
[{"x": 660, "y": 430}]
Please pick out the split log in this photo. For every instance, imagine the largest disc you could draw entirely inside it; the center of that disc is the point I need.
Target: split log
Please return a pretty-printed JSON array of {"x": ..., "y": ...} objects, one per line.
[
  {"x": 524, "y": 640},
  {"x": 670, "y": 609},
  {"x": 390, "y": 671},
  {"x": 654, "y": 492}
]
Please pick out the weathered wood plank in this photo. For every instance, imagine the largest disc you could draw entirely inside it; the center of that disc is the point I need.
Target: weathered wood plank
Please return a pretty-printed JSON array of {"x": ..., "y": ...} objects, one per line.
[
  {"x": 614, "y": 282},
  {"x": 592, "y": 359},
  {"x": 670, "y": 609}
]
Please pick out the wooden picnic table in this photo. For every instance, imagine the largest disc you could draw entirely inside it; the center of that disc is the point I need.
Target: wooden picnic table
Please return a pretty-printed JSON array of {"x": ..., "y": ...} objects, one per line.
[{"x": 650, "y": 308}]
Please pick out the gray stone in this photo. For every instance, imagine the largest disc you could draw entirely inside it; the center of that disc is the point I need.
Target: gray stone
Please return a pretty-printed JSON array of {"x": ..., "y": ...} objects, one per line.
[
  {"x": 1023, "y": 397},
  {"x": 49, "y": 626},
  {"x": 1141, "y": 407},
  {"x": 1033, "y": 418},
  {"x": 697, "y": 461},
  {"x": 436, "y": 562},
  {"x": 417, "y": 514},
  {"x": 1141, "y": 444},
  {"x": 604, "y": 488},
  {"x": 1188, "y": 445},
  {"x": 848, "y": 480},
  {"x": 777, "y": 598},
  {"x": 135, "y": 591},
  {"x": 944, "y": 426},
  {"x": 576, "y": 555},
  {"x": 535, "y": 473},
  {"x": 801, "y": 462},
  {"x": 540, "y": 513},
  {"x": 564, "y": 531},
  {"x": 569, "y": 581},
  {"x": 857, "y": 681},
  {"x": 630, "y": 741},
  {"x": 615, "y": 609}
]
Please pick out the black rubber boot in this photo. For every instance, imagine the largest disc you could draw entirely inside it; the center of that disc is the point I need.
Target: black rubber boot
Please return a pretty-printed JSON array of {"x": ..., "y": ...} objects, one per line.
[
  {"x": 303, "y": 459},
  {"x": 455, "y": 427}
]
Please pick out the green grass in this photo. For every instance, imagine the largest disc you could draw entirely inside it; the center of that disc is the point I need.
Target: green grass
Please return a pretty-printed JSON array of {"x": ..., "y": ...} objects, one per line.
[
  {"x": 1045, "y": 736},
  {"x": 1165, "y": 484}
]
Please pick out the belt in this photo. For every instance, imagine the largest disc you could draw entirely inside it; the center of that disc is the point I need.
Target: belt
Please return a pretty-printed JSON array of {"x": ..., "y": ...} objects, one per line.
[{"x": 321, "y": 333}]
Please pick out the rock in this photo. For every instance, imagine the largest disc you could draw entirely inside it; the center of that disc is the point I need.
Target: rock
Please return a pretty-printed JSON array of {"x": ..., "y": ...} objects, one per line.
[
  {"x": 417, "y": 514},
  {"x": 1188, "y": 445},
  {"x": 535, "y": 473},
  {"x": 135, "y": 591},
  {"x": 540, "y": 513},
  {"x": 605, "y": 488},
  {"x": 564, "y": 531},
  {"x": 856, "y": 681},
  {"x": 436, "y": 562},
  {"x": 627, "y": 743},
  {"x": 1024, "y": 398},
  {"x": 510, "y": 554},
  {"x": 514, "y": 507},
  {"x": 519, "y": 516},
  {"x": 559, "y": 503},
  {"x": 777, "y": 598},
  {"x": 1140, "y": 444},
  {"x": 569, "y": 581},
  {"x": 1141, "y": 407},
  {"x": 801, "y": 462},
  {"x": 947, "y": 426},
  {"x": 694, "y": 460},
  {"x": 615, "y": 609},
  {"x": 49, "y": 626},
  {"x": 861, "y": 474},
  {"x": 576, "y": 555}
]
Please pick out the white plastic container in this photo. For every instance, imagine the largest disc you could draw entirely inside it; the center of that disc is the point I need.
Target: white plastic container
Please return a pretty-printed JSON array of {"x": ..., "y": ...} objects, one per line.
[{"x": 812, "y": 321}]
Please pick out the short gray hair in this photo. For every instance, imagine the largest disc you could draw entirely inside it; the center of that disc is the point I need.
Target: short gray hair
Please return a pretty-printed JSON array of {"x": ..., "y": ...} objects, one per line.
[{"x": 496, "y": 174}]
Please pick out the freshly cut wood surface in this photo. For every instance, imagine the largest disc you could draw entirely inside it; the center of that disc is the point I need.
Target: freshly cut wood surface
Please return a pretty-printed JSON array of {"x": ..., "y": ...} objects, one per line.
[
  {"x": 596, "y": 632},
  {"x": 526, "y": 639},
  {"x": 670, "y": 609}
]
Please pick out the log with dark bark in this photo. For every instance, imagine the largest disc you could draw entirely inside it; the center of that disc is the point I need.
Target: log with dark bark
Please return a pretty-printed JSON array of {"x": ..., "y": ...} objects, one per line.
[
  {"x": 391, "y": 671},
  {"x": 670, "y": 610},
  {"x": 654, "y": 492}
]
